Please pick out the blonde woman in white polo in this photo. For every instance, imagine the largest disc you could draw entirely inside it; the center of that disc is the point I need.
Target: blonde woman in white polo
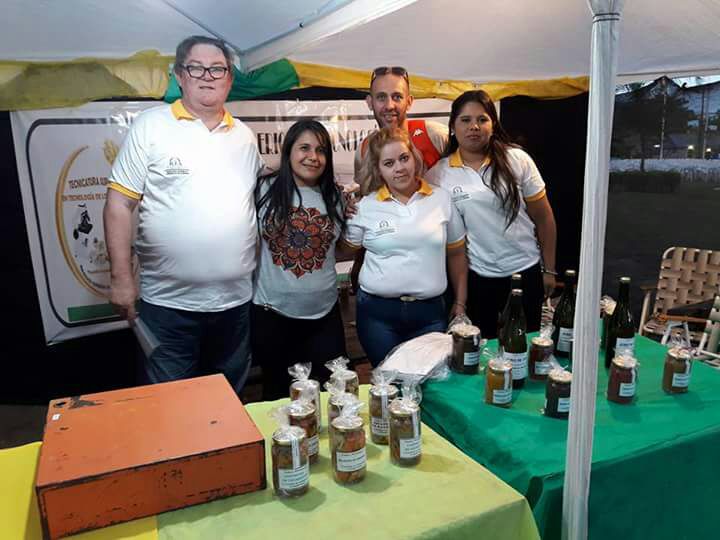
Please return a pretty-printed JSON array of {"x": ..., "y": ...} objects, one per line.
[
  {"x": 501, "y": 197},
  {"x": 410, "y": 230}
]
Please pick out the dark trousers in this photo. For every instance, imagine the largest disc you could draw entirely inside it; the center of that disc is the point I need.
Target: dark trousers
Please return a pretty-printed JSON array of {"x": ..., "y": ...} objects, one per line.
[
  {"x": 487, "y": 297},
  {"x": 195, "y": 343},
  {"x": 384, "y": 323},
  {"x": 278, "y": 342}
]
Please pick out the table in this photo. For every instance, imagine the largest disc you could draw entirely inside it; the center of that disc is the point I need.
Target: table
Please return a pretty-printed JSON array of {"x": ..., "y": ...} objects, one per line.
[
  {"x": 448, "y": 496},
  {"x": 656, "y": 462}
]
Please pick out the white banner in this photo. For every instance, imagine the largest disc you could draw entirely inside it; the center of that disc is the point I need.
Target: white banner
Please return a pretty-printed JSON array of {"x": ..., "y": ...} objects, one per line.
[{"x": 64, "y": 158}]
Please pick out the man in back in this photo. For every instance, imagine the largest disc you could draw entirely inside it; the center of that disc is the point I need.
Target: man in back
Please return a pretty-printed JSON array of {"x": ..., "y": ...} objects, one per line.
[{"x": 191, "y": 169}]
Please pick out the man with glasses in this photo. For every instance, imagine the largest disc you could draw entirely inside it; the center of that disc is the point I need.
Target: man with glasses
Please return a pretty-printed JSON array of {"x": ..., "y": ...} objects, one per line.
[
  {"x": 389, "y": 100},
  {"x": 190, "y": 168}
]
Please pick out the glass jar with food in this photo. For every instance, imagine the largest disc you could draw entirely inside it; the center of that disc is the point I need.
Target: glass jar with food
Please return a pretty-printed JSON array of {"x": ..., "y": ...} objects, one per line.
[
  {"x": 347, "y": 446},
  {"x": 301, "y": 413},
  {"x": 622, "y": 380},
  {"x": 405, "y": 436},
  {"x": 498, "y": 382},
  {"x": 557, "y": 393},
  {"x": 289, "y": 451},
  {"x": 340, "y": 372},
  {"x": 466, "y": 348},
  {"x": 678, "y": 367},
  {"x": 381, "y": 393},
  {"x": 541, "y": 354},
  {"x": 301, "y": 379}
]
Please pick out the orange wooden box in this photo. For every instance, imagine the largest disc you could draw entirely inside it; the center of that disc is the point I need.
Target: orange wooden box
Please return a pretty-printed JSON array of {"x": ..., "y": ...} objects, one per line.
[{"x": 117, "y": 456}]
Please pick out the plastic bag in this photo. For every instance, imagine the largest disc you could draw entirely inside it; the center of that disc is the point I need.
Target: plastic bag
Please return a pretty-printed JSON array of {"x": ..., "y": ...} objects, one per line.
[
  {"x": 301, "y": 412},
  {"x": 347, "y": 444},
  {"x": 301, "y": 379},
  {"x": 290, "y": 464},
  {"x": 340, "y": 371},
  {"x": 421, "y": 358}
]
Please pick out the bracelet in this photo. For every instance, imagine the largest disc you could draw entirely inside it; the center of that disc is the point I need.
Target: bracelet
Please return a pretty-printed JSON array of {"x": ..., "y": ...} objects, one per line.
[
  {"x": 550, "y": 272},
  {"x": 459, "y": 304}
]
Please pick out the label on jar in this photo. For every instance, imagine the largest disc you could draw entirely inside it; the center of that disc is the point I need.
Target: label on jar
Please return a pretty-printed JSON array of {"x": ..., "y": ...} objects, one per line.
[
  {"x": 379, "y": 426},
  {"x": 291, "y": 479},
  {"x": 565, "y": 336},
  {"x": 416, "y": 425},
  {"x": 295, "y": 449},
  {"x": 351, "y": 461},
  {"x": 542, "y": 368},
  {"x": 384, "y": 405},
  {"x": 409, "y": 448},
  {"x": 471, "y": 358},
  {"x": 501, "y": 397},
  {"x": 313, "y": 445},
  {"x": 563, "y": 404},
  {"x": 627, "y": 389},
  {"x": 625, "y": 345},
  {"x": 681, "y": 380},
  {"x": 519, "y": 364}
]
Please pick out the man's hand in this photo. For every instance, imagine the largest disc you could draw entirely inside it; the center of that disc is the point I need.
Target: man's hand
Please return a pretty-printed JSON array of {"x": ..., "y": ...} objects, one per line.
[{"x": 123, "y": 294}]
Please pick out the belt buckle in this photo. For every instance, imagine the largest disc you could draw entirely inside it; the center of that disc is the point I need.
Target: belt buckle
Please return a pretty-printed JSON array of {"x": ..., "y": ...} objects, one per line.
[{"x": 407, "y": 298}]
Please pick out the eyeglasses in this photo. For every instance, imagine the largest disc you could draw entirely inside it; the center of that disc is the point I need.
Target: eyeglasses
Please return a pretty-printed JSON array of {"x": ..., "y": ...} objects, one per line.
[
  {"x": 395, "y": 70},
  {"x": 198, "y": 72}
]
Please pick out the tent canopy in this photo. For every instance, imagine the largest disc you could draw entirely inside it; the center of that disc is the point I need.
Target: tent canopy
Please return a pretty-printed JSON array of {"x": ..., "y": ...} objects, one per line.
[{"x": 493, "y": 40}]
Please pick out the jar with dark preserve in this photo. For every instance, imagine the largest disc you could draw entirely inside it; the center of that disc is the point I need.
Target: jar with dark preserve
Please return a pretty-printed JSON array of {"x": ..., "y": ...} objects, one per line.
[
  {"x": 622, "y": 379},
  {"x": 405, "y": 437},
  {"x": 678, "y": 367},
  {"x": 347, "y": 446},
  {"x": 539, "y": 362},
  {"x": 380, "y": 396},
  {"x": 557, "y": 393},
  {"x": 498, "y": 383},
  {"x": 301, "y": 413},
  {"x": 466, "y": 349}
]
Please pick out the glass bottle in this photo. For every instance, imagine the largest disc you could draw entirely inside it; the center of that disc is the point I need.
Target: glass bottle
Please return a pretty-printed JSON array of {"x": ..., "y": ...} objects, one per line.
[
  {"x": 515, "y": 283},
  {"x": 621, "y": 328},
  {"x": 516, "y": 349},
  {"x": 564, "y": 317}
]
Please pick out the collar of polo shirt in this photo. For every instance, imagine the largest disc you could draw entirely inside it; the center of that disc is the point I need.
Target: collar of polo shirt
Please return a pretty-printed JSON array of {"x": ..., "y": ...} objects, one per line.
[
  {"x": 456, "y": 160},
  {"x": 384, "y": 194},
  {"x": 181, "y": 113}
]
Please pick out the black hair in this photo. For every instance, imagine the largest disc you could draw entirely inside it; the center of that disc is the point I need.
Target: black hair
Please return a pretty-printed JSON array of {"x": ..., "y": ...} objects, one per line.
[
  {"x": 502, "y": 179},
  {"x": 279, "y": 196}
]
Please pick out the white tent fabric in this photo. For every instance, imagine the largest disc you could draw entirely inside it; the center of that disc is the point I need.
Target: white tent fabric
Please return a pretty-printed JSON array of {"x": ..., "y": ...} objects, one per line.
[{"x": 604, "y": 60}]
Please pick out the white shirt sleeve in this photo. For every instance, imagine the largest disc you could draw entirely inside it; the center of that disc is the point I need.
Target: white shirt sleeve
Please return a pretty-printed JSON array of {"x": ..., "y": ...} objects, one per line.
[
  {"x": 531, "y": 183},
  {"x": 354, "y": 230},
  {"x": 456, "y": 226},
  {"x": 130, "y": 167}
]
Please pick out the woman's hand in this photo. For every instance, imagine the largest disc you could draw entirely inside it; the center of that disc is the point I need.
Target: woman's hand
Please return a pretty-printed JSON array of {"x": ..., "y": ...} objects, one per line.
[
  {"x": 457, "y": 309},
  {"x": 548, "y": 284}
]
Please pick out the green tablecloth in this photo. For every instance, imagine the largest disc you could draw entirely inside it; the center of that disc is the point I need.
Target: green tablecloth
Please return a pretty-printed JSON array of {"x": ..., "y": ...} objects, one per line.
[
  {"x": 448, "y": 496},
  {"x": 656, "y": 462}
]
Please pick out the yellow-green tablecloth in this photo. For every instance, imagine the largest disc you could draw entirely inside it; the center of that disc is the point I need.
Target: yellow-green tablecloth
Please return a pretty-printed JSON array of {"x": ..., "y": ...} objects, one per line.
[{"x": 448, "y": 496}]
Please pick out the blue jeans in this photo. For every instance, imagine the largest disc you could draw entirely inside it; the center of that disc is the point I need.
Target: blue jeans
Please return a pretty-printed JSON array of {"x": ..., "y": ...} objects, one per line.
[
  {"x": 197, "y": 343},
  {"x": 384, "y": 323}
]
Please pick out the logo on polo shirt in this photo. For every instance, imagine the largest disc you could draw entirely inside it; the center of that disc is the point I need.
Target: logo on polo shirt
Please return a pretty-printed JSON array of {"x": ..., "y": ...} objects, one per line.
[
  {"x": 417, "y": 132},
  {"x": 175, "y": 167},
  {"x": 459, "y": 195},
  {"x": 384, "y": 227}
]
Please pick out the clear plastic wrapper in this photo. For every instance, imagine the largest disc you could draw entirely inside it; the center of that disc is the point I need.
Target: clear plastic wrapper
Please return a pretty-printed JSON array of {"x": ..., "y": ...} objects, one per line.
[
  {"x": 622, "y": 379},
  {"x": 337, "y": 399},
  {"x": 498, "y": 381},
  {"x": 421, "y": 358},
  {"x": 301, "y": 412},
  {"x": 301, "y": 379},
  {"x": 289, "y": 451},
  {"x": 467, "y": 346},
  {"x": 340, "y": 371},
  {"x": 678, "y": 366},
  {"x": 541, "y": 352},
  {"x": 405, "y": 435},
  {"x": 381, "y": 393},
  {"x": 347, "y": 444}
]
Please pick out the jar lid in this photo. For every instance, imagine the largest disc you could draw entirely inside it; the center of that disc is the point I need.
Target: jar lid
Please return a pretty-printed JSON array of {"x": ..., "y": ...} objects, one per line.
[
  {"x": 625, "y": 362},
  {"x": 680, "y": 353},
  {"x": 305, "y": 383},
  {"x": 288, "y": 434},
  {"x": 498, "y": 364},
  {"x": 300, "y": 409},
  {"x": 344, "y": 374},
  {"x": 561, "y": 375},
  {"x": 465, "y": 330},
  {"x": 384, "y": 390},
  {"x": 347, "y": 423},
  {"x": 542, "y": 341},
  {"x": 403, "y": 407}
]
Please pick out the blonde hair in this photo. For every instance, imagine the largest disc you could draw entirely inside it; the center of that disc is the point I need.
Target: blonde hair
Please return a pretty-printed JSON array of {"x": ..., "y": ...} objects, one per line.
[{"x": 370, "y": 179}]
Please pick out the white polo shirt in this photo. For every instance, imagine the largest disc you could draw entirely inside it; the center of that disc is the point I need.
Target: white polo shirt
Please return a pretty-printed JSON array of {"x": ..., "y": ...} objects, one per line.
[
  {"x": 197, "y": 228},
  {"x": 493, "y": 250},
  {"x": 405, "y": 243}
]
